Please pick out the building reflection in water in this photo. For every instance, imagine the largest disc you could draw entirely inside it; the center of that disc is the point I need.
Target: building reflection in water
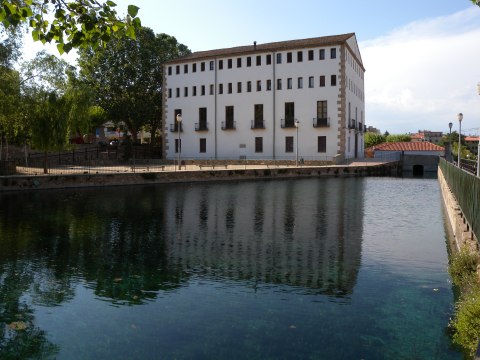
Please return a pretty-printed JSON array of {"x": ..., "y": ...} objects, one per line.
[{"x": 301, "y": 233}]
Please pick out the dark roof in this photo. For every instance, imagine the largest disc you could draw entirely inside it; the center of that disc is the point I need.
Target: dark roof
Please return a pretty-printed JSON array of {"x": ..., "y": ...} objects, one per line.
[{"x": 281, "y": 45}]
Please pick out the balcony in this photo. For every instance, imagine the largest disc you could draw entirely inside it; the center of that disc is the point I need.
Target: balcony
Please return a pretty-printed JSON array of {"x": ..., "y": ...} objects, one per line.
[
  {"x": 201, "y": 126},
  {"x": 288, "y": 123},
  {"x": 174, "y": 127},
  {"x": 360, "y": 127},
  {"x": 364, "y": 128},
  {"x": 351, "y": 123},
  {"x": 321, "y": 122},
  {"x": 229, "y": 125},
  {"x": 258, "y": 124}
]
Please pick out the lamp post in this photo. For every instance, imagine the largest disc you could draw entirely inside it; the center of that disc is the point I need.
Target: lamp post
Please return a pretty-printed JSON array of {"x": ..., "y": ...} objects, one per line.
[
  {"x": 297, "y": 123},
  {"x": 478, "y": 150},
  {"x": 179, "y": 121},
  {"x": 450, "y": 140},
  {"x": 460, "y": 117}
]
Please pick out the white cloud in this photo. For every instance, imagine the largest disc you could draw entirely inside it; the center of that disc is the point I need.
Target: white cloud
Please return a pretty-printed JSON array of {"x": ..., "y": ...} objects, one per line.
[{"x": 421, "y": 75}]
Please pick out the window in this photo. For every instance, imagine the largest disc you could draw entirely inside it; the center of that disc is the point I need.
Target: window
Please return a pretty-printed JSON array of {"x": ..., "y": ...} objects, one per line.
[
  {"x": 333, "y": 80},
  {"x": 203, "y": 90},
  {"x": 279, "y": 84},
  {"x": 230, "y": 63},
  {"x": 185, "y": 69},
  {"x": 169, "y": 70},
  {"x": 333, "y": 53},
  {"x": 177, "y": 92},
  {"x": 269, "y": 59},
  {"x": 348, "y": 144},
  {"x": 269, "y": 85},
  {"x": 177, "y": 69},
  {"x": 194, "y": 91},
  {"x": 229, "y": 124},
  {"x": 185, "y": 91},
  {"x": 202, "y": 118},
  {"x": 212, "y": 66},
  {"x": 229, "y": 88},
  {"x": 203, "y": 145},
  {"x": 239, "y": 62},
  {"x": 322, "y": 144},
  {"x": 239, "y": 87},
  {"x": 259, "y": 144},
  {"x": 220, "y": 88},
  {"x": 211, "y": 89},
  {"x": 279, "y": 58},
  {"x": 288, "y": 144},
  {"x": 310, "y": 55},
  {"x": 176, "y": 123},
  {"x": 321, "y": 109},
  {"x": 289, "y": 114},
  {"x": 289, "y": 83},
  {"x": 289, "y": 57},
  {"x": 249, "y": 61},
  {"x": 299, "y": 56},
  {"x": 220, "y": 64},
  {"x": 169, "y": 93},
  {"x": 258, "y": 109},
  {"x": 176, "y": 145},
  {"x": 300, "y": 83},
  {"x": 259, "y": 60},
  {"x": 310, "y": 82},
  {"x": 249, "y": 86},
  {"x": 322, "y": 54},
  {"x": 259, "y": 85},
  {"x": 202, "y": 66},
  {"x": 194, "y": 67}
]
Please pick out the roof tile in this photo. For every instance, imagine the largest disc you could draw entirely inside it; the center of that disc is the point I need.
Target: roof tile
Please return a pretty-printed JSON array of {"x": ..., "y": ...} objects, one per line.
[{"x": 407, "y": 146}]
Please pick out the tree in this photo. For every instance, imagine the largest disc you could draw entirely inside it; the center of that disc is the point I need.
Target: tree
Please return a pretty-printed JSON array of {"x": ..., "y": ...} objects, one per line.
[
  {"x": 372, "y": 139},
  {"x": 454, "y": 137},
  {"x": 386, "y": 134},
  {"x": 398, "y": 138},
  {"x": 78, "y": 23},
  {"x": 127, "y": 77},
  {"x": 476, "y": 2}
]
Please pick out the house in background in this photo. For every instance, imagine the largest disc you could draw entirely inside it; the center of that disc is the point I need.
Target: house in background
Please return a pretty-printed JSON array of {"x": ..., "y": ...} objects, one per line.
[
  {"x": 243, "y": 102},
  {"x": 472, "y": 144},
  {"x": 433, "y": 137}
]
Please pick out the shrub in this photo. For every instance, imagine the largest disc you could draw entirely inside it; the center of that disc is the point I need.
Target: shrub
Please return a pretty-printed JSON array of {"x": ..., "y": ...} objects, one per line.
[
  {"x": 466, "y": 321},
  {"x": 149, "y": 175},
  {"x": 282, "y": 171},
  {"x": 346, "y": 170},
  {"x": 462, "y": 267},
  {"x": 336, "y": 172},
  {"x": 267, "y": 172}
]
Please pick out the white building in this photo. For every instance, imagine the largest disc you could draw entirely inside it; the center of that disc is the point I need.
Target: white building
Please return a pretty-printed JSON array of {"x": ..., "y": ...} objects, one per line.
[{"x": 244, "y": 101}]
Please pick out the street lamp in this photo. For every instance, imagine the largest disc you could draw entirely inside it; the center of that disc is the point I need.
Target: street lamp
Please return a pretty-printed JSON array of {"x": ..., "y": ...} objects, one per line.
[
  {"x": 179, "y": 120},
  {"x": 478, "y": 152},
  {"x": 460, "y": 117},
  {"x": 297, "y": 123},
  {"x": 450, "y": 140}
]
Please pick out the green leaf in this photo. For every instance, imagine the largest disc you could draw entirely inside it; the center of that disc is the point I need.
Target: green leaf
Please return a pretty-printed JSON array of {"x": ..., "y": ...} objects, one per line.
[
  {"x": 67, "y": 48},
  {"x": 33, "y": 23},
  {"x": 111, "y": 3},
  {"x": 131, "y": 33},
  {"x": 137, "y": 23},
  {"x": 2, "y": 15},
  {"x": 29, "y": 2},
  {"x": 133, "y": 10},
  {"x": 60, "y": 48},
  {"x": 35, "y": 35}
]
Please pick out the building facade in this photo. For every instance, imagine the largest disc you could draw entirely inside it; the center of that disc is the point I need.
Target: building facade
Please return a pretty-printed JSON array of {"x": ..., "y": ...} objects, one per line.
[{"x": 243, "y": 102}]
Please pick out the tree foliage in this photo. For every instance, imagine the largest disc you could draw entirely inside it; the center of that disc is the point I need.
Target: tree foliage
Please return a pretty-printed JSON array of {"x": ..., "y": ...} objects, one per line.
[
  {"x": 127, "y": 77},
  {"x": 78, "y": 23},
  {"x": 372, "y": 139},
  {"x": 398, "y": 138}
]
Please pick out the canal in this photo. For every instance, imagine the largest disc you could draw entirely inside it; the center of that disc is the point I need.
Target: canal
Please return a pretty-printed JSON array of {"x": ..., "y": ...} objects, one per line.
[{"x": 339, "y": 268}]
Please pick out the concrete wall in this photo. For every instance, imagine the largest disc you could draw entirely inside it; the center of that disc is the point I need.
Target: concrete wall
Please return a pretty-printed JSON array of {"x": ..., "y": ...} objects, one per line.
[
  {"x": 429, "y": 162},
  {"x": 226, "y": 143}
]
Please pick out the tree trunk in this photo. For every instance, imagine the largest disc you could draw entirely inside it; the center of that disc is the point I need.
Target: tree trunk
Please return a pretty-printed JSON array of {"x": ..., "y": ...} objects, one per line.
[
  {"x": 26, "y": 157},
  {"x": 6, "y": 142},
  {"x": 152, "y": 135},
  {"x": 45, "y": 164}
]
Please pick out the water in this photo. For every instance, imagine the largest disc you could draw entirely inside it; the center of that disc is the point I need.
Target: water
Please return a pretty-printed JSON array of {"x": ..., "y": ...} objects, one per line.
[{"x": 286, "y": 269}]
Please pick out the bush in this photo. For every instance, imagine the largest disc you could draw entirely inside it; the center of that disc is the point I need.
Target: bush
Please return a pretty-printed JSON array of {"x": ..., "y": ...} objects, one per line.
[
  {"x": 267, "y": 172},
  {"x": 466, "y": 321},
  {"x": 149, "y": 175},
  {"x": 346, "y": 170},
  {"x": 336, "y": 172},
  {"x": 282, "y": 171},
  {"x": 462, "y": 267}
]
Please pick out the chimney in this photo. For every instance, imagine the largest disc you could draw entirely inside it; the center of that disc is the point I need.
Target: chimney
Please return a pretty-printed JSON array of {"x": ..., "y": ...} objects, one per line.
[{"x": 254, "y": 45}]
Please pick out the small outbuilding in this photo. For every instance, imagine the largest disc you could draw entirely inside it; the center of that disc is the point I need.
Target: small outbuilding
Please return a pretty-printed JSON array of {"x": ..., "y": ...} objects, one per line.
[{"x": 417, "y": 157}]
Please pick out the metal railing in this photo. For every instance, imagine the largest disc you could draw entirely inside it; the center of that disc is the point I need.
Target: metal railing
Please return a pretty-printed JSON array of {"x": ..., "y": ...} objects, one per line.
[
  {"x": 360, "y": 127},
  {"x": 287, "y": 123},
  {"x": 321, "y": 122},
  {"x": 351, "y": 123},
  {"x": 364, "y": 128},
  {"x": 174, "y": 127},
  {"x": 469, "y": 165},
  {"x": 258, "y": 124},
  {"x": 201, "y": 126},
  {"x": 466, "y": 189},
  {"x": 229, "y": 125}
]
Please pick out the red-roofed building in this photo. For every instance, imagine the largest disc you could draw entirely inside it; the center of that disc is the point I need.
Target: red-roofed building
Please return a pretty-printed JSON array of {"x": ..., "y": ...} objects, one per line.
[
  {"x": 427, "y": 136},
  {"x": 472, "y": 144}
]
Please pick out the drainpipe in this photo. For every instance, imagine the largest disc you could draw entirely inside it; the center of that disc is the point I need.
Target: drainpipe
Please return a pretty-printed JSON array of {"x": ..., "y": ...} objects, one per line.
[
  {"x": 274, "y": 89},
  {"x": 215, "y": 111}
]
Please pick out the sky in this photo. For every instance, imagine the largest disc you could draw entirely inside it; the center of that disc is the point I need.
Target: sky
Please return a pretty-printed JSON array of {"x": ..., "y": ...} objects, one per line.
[{"x": 420, "y": 56}]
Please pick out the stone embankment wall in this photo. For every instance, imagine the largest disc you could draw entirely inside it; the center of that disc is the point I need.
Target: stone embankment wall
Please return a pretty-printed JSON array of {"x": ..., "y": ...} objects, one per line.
[
  {"x": 93, "y": 180},
  {"x": 461, "y": 229}
]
